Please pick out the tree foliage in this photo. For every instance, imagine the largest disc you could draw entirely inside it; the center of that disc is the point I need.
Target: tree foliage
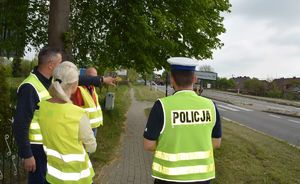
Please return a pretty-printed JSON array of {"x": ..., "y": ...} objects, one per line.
[
  {"x": 132, "y": 75},
  {"x": 5, "y": 109},
  {"x": 224, "y": 83},
  {"x": 134, "y": 34},
  {"x": 143, "y": 34},
  {"x": 255, "y": 87}
]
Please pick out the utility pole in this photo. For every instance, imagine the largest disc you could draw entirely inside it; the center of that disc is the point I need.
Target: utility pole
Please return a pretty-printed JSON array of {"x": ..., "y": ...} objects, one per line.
[{"x": 167, "y": 85}]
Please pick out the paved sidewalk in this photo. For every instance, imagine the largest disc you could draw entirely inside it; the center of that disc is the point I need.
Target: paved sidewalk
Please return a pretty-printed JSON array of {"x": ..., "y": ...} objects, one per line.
[{"x": 133, "y": 164}]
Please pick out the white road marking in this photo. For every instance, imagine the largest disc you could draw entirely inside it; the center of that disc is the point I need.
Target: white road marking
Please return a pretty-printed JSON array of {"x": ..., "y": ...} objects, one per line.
[
  {"x": 274, "y": 116},
  {"x": 294, "y": 121},
  {"x": 229, "y": 108},
  {"x": 241, "y": 108},
  {"x": 227, "y": 119},
  {"x": 221, "y": 109}
]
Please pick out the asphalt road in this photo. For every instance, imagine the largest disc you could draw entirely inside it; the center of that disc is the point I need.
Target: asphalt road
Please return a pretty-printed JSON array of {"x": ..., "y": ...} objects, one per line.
[
  {"x": 248, "y": 102},
  {"x": 282, "y": 127},
  {"x": 279, "y": 126}
]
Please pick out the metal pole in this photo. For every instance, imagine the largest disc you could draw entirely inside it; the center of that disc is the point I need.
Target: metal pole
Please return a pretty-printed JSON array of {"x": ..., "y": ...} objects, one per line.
[{"x": 166, "y": 85}]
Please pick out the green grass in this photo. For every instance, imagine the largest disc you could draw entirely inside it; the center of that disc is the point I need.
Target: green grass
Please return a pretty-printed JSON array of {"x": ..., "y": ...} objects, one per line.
[
  {"x": 145, "y": 93},
  {"x": 247, "y": 156},
  {"x": 147, "y": 111},
  {"x": 108, "y": 136}
]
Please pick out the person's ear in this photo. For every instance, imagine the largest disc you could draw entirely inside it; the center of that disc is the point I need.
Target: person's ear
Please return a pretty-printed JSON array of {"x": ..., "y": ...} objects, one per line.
[{"x": 51, "y": 65}]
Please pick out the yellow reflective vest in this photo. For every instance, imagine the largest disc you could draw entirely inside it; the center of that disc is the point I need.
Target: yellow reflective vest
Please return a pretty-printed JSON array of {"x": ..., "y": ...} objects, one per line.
[
  {"x": 184, "y": 151},
  {"x": 93, "y": 109},
  {"x": 35, "y": 136},
  {"x": 67, "y": 160}
]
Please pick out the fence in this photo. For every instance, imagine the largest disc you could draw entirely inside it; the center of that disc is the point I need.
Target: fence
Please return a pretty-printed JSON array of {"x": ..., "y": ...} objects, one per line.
[{"x": 11, "y": 170}]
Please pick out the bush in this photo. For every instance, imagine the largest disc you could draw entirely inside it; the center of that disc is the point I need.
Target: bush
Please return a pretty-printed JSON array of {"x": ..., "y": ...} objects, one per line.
[
  {"x": 224, "y": 84},
  {"x": 255, "y": 87},
  {"x": 5, "y": 110},
  {"x": 27, "y": 66},
  {"x": 274, "y": 93}
]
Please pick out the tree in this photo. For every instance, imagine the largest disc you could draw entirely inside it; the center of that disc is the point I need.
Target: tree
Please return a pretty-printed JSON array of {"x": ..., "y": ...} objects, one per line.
[
  {"x": 143, "y": 34},
  {"x": 273, "y": 90},
  {"x": 5, "y": 110},
  {"x": 131, "y": 34},
  {"x": 132, "y": 75},
  {"x": 224, "y": 83},
  {"x": 59, "y": 26},
  {"x": 147, "y": 76},
  {"x": 13, "y": 20},
  {"x": 255, "y": 87}
]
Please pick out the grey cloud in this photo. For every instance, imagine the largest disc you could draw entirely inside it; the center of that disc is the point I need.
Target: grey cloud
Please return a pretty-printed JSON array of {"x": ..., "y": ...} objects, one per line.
[
  {"x": 288, "y": 39},
  {"x": 278, "y": 12}
]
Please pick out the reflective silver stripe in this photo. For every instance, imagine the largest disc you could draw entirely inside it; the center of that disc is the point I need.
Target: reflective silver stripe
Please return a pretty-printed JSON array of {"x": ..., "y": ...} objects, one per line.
[
  {"x": 92, "y": 109},
  {"x": 32, "y": 142},
  {"x": 69, "y": 176},
  {"x": 182, "y": 156},
  {"x": 67, "y": 157},
  {"x": 34, "y": 125},
  {"x": 36, "y": 137},
  {"x": 96, "y": 120},
  {"x": 183, "y": 170},
  {"x": 183, "y": 180}
]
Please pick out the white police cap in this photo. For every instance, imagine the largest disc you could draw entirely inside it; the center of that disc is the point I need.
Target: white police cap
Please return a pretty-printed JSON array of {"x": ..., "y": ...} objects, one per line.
[{"x": 183, "y": 63}]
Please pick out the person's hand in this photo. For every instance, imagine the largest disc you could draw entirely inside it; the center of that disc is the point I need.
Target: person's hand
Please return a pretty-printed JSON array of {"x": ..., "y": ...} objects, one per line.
[
  {"x": 109, "y": 80},
  {"x": 29, "y": 164}
]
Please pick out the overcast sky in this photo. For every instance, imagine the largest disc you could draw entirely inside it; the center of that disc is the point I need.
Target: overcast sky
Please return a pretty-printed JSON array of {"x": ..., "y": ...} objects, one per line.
[{"x": 262, "y": 40}]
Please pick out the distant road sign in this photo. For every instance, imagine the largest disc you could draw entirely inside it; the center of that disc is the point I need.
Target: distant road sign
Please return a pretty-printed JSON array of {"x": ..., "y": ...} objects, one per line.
[{"x": 206, "y": 75}]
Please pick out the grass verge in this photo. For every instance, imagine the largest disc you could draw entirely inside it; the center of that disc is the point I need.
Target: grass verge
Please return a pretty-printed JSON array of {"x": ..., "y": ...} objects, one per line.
[
  {"x": 108, "y": 135},
  {"x": 247, "y": 156},
  {"x": 145, "y": 93}
]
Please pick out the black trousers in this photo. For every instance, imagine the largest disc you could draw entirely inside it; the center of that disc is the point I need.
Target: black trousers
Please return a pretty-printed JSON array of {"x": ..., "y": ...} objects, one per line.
[
  {"x": 39, "y": 176},
  {"x": 157, "y": 181}
]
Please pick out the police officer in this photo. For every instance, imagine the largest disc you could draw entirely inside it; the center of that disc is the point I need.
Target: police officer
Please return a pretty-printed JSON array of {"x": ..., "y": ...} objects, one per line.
[{"x": 182, "y": 130}]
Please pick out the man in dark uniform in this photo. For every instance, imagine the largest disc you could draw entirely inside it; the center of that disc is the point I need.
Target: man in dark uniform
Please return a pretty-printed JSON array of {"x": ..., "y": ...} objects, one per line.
[
  {"x": 182, "y": 130},
  {"x": 26, "y": 129}
]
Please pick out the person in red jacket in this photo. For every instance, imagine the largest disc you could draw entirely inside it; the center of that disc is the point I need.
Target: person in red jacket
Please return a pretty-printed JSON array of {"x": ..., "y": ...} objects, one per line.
[{"x": 87, "y": 98}]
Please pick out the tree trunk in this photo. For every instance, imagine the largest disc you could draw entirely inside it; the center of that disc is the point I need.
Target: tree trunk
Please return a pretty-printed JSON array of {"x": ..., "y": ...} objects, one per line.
[
  {"x": 145, "y": 80},
  {"x": 59, "y": 27}
]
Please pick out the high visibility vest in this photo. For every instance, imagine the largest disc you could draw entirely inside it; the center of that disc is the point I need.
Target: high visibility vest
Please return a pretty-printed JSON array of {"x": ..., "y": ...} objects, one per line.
[
  {"x": 35, "y": 136},
  {"x": 184, "y": 150},
  {"x": 67, "y": 160},
  {"x": 91, "y": 107}
]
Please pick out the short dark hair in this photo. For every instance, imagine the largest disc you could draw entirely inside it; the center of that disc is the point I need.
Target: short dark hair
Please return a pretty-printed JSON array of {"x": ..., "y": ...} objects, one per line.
[
  {"x": 183, "y": 78},
  {"x": 46, "y": 53}
]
